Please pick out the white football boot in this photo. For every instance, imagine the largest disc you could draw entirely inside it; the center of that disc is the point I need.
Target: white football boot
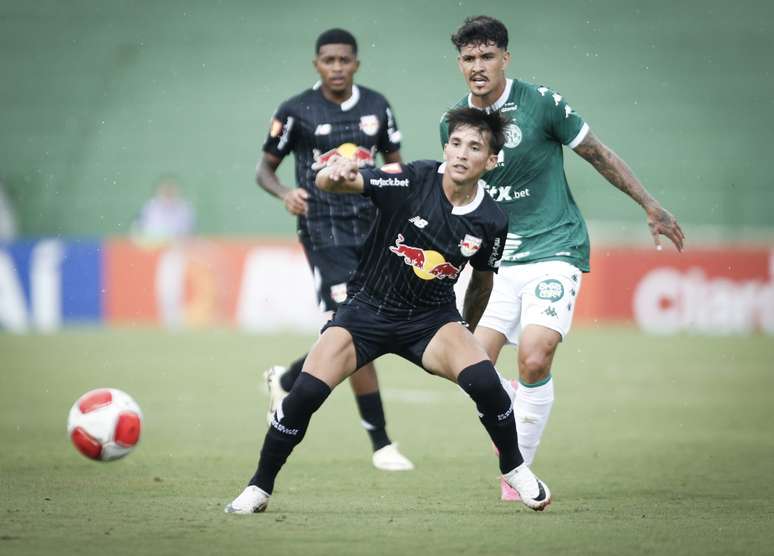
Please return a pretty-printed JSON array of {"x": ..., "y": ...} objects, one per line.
[
  {"x": 533, "y": 492},
  {"x": 252, "y": 501},
  {"x": 274, "y": 388},
  {"x": 390, "y": 459}
]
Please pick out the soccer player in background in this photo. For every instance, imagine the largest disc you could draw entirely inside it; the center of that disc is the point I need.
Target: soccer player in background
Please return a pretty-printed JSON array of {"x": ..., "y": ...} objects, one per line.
[
  {"x": 547, "y": 248},
  {"x": 333, "y": 118},
  {"x": 433, "y": 218}
]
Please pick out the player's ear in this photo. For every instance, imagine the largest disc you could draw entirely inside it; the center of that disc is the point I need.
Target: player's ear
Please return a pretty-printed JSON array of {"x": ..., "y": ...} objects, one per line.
[
  {"x": 444, "y": 150},
  {"x": 491, "y": 162},
  {"x": 506, "y": 59}
]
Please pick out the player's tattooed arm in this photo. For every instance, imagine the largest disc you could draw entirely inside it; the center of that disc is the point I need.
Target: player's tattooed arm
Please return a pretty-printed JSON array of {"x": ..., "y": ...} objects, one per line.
[
  {"x": 476, "y": 297},
  {"x": 294, "y": 198},
  {"x": 340, "y": 176},
  {"x": 617, "y": 172}
]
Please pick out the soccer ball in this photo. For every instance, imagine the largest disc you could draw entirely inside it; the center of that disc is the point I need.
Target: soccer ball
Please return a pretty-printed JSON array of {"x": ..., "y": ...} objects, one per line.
[{"x": 104, "y": 424}]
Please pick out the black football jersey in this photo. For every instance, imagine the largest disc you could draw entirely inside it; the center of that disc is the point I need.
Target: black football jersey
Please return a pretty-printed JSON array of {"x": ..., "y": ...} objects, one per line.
[
  {"x": 314, "y": 129},
  {"x": 420, "y": 242}
]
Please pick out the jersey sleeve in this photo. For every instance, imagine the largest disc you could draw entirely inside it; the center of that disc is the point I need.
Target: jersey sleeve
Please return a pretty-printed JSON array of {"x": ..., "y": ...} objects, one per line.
[
  {"x": 389, "y": 186},
  {"x": 488, "y": 258},
  {"x": 281, "y": 137},
  {"x": 562, "y": 122},
  {"x": 389, "y": 134}
]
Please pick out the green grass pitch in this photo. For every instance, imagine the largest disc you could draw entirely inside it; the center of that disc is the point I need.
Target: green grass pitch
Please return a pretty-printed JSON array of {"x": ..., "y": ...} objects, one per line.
[{"x": 656, "y": 446}]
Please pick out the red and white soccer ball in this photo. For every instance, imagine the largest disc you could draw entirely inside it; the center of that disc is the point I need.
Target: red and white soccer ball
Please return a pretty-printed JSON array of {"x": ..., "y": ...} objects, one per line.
[{"x": 105, "y": 424}]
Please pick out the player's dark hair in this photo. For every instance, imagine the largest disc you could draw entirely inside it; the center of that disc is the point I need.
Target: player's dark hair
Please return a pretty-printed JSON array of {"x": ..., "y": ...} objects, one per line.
[
  {"x": 335, "y": 36},
  {"x": 492, "y": 122},
  {"x": 481, "y": 29}
]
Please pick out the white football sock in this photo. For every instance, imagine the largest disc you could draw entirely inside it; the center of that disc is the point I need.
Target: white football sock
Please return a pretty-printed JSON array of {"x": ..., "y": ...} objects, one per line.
[
  {"x": 508, "y": 386},
  {"x": 533, "y": 407}
]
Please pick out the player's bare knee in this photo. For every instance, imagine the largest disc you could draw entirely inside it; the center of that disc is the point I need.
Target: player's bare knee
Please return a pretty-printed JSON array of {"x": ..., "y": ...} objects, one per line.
[
  {"x": 364, "y": 380},
  {"x": 534, "y": 366}
]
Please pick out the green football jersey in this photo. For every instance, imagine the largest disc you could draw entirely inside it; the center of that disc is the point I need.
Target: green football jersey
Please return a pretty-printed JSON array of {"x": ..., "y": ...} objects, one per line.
[{"x": 529, "y": 183}]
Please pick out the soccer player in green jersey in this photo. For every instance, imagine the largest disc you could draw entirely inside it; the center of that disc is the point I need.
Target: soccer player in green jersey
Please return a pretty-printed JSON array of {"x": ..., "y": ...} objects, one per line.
[{"x": 547, "y": 247}]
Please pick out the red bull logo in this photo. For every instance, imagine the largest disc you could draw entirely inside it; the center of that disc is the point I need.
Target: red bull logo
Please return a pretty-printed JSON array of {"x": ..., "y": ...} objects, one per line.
[
  {"x": 427, "y": 264},
  {"x": 412, "y": 256},
  {"x": 469, "y": 245},
  {"x": 445, "y": 270},
  {"x": 361, "y": 155}
]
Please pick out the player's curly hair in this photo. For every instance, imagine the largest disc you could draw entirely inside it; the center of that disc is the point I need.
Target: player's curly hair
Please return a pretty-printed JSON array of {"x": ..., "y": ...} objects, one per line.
[
  {"x": 335, "y": 36},
  {"x": 492, "y": 122},
  {"x": 481, "y": 29}
]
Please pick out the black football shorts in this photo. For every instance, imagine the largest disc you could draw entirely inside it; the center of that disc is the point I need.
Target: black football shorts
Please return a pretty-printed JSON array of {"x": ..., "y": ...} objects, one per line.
[
  {"x": 332, "y": 267},
  {"x": 375, "y": 334}
]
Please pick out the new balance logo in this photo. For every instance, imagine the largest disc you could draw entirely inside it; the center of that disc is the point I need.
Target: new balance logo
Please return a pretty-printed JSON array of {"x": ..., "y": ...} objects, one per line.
[{"x": 418, "y": 221}]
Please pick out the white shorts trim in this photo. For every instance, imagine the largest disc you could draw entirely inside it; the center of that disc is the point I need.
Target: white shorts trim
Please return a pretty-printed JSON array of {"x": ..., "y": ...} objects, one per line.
[{"x": 543, "y": 293}]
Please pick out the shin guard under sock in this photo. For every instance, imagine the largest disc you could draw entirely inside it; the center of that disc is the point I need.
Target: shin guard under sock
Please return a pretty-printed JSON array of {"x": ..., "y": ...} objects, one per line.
[
  {"x": 288, "y": 428},
  {"x": 482, "y": 384},
  {"x": 533, "y": 407}
]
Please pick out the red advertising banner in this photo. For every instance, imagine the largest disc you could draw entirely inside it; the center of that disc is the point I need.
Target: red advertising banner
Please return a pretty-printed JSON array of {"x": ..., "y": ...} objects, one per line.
[
  {"x": 259, "y": 285},
  {"x": 715, "y": 291},
  {"x": 266, "y": 285}
]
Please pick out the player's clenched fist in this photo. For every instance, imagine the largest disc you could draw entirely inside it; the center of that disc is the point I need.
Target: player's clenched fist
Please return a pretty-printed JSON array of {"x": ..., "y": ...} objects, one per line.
[{"x": 342, "y": 169}]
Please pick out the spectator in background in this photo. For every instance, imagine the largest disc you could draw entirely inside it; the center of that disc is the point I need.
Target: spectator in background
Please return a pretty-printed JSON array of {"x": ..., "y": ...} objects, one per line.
[
  {"x": 167, "y": 216},
  {"x": 7, "y": 216}
]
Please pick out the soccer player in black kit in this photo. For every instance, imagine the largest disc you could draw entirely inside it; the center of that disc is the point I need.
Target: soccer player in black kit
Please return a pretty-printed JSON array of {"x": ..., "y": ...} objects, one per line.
[
  {"x": 433, "y": 218},
  {"x": 334, "y": 118}
]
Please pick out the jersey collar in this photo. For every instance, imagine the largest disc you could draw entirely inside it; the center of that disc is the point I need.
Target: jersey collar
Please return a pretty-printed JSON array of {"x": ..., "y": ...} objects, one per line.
[
  {"x": 350, "y": 102},
  {"x": 499, "y": 102},
  {"x": 471, "y": 206}
]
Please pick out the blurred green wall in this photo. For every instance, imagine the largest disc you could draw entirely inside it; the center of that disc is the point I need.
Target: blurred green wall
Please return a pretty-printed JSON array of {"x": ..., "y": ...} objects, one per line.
[{"x": 99, "y": 98}]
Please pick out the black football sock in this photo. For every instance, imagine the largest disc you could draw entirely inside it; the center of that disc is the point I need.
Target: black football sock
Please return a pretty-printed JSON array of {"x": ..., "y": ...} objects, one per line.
[
  {"x": 289, "y": 377},
  {"x": 372, "y": 414},
  {"x": 288, "y": 428},
  {"x": 482, "y": 384}
]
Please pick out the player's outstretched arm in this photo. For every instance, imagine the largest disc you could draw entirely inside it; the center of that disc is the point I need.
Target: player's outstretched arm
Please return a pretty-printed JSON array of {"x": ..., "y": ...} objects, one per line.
[
  {"x": 476, "y": 297},
  {"x": 617, "y": 172},
  {"x": 341, "y": 176},
  {"x": 266, "y": 176}
]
